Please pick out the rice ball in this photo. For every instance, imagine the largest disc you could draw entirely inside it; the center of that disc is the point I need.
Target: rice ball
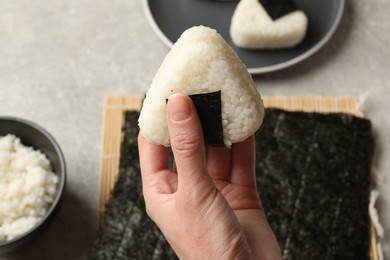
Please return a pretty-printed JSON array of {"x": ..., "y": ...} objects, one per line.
[
  {"x": 253, "y": 28},
  {"x": 202, "y": 62}
]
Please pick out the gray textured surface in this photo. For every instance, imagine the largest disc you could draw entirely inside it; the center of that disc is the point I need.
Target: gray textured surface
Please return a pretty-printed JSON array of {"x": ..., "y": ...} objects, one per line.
[{"x": 58, "y": 59}]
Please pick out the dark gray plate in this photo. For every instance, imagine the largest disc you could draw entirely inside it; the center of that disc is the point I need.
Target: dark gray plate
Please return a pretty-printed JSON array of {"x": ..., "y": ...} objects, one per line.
[{"x": 170, "y": 18}]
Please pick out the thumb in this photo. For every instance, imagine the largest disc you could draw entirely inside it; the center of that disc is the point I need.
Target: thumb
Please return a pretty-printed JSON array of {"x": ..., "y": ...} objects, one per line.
[{"x": 187, "y": 142}]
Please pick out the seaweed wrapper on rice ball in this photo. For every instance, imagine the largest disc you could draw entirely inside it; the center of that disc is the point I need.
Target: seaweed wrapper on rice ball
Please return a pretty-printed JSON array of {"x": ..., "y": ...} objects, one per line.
[{"x": 202, "y": 63}]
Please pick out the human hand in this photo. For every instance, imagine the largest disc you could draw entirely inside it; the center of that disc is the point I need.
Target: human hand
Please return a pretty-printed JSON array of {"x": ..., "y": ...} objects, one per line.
[{"x": 208, "y": 208}]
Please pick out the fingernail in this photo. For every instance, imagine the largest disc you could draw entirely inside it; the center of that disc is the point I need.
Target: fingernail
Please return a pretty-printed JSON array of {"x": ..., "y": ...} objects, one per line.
[{"x": 179, "y": 107}]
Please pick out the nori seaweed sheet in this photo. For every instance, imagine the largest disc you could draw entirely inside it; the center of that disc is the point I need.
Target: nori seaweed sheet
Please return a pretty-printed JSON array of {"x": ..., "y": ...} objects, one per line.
[
  {"x": 278, "y": 8},
  {"x": 313, "y": 174},
  {"x": 127, "y": 232},
  {"x": 208, "y": 107}
]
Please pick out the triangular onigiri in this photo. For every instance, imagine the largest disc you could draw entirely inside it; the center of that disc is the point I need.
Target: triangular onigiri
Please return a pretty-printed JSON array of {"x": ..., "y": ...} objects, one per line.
[
  {"x": 202, "y": 62},
  {"x": 253, "y": 28}
]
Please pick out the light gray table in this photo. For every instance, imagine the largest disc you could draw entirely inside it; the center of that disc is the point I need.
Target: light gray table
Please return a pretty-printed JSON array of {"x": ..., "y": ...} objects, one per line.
[{"x": 58, "y": 59}]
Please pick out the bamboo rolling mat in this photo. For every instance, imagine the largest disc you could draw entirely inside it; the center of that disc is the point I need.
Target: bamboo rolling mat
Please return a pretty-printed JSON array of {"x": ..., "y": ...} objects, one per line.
[{"x": 113, "y": 120}]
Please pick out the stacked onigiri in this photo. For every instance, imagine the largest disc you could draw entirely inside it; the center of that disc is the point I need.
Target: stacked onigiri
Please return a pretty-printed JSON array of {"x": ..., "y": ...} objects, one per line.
[{"x": 202, "y": 62}]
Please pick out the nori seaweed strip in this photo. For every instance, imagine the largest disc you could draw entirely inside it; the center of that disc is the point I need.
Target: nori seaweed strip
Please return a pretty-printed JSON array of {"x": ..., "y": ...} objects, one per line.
[
  {"x": 208, "y": 106},
  {"x": 313, "y": 173},
  {"x": 278, "y": 8}
]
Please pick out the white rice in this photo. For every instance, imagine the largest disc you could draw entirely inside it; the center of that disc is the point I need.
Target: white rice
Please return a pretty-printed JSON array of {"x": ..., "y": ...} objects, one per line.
[
  {"x": 27, "y": 187},
  {"x": 201, "y": 62},
  {"x": 252, "y": 28}
]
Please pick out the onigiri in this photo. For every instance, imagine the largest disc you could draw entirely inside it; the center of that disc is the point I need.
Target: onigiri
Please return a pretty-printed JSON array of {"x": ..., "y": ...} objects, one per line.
[
  {"x": 202, "y": 62},
  {"x": 252, "y": 27}
]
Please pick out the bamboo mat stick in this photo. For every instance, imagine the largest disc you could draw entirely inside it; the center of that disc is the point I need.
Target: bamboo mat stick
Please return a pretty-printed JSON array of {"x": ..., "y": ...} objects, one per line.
[
  {"x": 320, "y": 104},
  {"x": 373, "y": 243}
]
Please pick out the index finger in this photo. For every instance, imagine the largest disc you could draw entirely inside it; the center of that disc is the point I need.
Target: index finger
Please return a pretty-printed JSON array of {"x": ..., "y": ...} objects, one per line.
[
  {"x": 153, "y": 158},
  {"x": 243, "y": 163}
]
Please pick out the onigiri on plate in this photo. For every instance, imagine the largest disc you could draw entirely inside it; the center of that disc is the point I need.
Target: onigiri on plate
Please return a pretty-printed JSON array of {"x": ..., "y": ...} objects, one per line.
[{"x": 267, "y": 24}]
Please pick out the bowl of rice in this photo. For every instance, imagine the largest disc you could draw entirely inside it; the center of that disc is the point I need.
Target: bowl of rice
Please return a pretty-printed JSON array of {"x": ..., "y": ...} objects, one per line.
[{"x": 32, "y": 181}]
